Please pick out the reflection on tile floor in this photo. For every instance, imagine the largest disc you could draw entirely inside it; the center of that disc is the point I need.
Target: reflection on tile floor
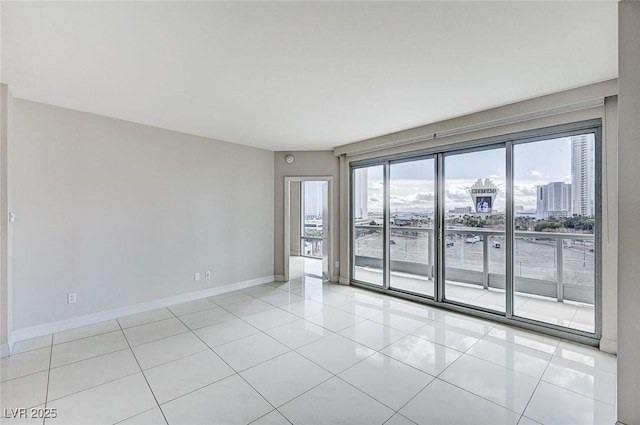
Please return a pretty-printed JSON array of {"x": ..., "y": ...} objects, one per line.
[
  {"x": 549, "y": 310},
  {"x": 330, "y": 354}
]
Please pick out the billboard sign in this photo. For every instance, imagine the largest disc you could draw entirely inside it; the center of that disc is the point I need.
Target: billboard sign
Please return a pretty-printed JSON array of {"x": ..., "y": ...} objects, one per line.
[{"x": 483, "y": 194}]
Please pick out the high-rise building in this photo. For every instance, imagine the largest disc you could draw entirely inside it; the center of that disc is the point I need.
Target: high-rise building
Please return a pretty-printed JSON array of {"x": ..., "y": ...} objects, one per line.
[
  {"x": 462, "y": 210},
  {"x": 361, "y": 193},
  {"x": 583, "y": 172},
  {"x": 553, "y": 200}
]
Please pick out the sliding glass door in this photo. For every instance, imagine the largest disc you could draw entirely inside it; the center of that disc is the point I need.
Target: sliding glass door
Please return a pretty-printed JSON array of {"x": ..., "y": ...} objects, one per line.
[
  {"x": 507, "y": 228},
  {"x": 412, "y": 219},
  {"x": 474, "y": 210},
  {"x": 555, "y": 228},
  {"x": 368, "y": 225}
]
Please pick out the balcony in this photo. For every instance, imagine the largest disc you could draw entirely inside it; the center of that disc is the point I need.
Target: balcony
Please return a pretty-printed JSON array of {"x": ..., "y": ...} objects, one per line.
[
  {"x": 312, "y": 246},
  {"x": 553, "y": 272}
]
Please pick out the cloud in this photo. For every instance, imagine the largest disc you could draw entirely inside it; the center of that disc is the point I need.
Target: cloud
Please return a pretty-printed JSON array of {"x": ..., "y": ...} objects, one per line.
[
  {"x": 423, "y": 197},
  {"x": 536, "y": 173},
  {"x": 520, "y": 190},
  {"x": 457, "y": 196}
]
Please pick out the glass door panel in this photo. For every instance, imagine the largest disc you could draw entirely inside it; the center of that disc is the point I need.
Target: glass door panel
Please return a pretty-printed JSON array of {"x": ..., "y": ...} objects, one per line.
[
  {"x": 555, "y": 216},
  {"x": 312, "y": 218},
  {"x": 411, "y": 217},
  {"x": 474, "y": 228},
  {"x": 368, "y": 224}
]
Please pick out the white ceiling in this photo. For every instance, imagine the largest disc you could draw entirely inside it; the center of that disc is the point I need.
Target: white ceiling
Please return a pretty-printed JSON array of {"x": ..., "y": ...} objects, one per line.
[{"x": 301, "y": 75}]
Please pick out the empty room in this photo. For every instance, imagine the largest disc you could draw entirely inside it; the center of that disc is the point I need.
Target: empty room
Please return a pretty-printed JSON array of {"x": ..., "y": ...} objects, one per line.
[{"x": 319, "y": 212}]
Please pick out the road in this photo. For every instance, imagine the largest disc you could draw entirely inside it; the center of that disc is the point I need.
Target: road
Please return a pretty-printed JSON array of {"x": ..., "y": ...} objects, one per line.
[{"x": 533, "y": 259}]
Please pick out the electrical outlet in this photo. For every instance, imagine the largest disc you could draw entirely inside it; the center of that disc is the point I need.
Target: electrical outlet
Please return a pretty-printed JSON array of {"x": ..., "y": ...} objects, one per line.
[
  {"x": 196, "y": 276},
  {"x": 71, "y": 297},
  {"x": 207, "y": 275},
  {"x": 337, "y": 264}
]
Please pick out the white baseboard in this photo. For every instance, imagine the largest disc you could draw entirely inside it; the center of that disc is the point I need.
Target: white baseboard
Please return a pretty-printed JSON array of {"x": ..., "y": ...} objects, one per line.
[
  {"x": 279, "y": 278},
  {"x": 4, "y": 351},
  {"x": 609, "y": 346},
  {"x": 76, "y": 322},
  {"x": 344, "y": 281}
]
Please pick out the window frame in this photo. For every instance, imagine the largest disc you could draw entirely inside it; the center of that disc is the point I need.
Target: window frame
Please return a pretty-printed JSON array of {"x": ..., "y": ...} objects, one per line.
[{"x": 508, "y": 140}]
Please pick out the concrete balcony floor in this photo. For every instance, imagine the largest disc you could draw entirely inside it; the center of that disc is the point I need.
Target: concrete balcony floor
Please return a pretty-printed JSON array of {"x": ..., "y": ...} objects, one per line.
[{"x": 548, "y": 310}]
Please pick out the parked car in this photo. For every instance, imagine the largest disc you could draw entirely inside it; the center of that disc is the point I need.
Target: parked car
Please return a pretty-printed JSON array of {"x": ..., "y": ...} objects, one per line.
[
  {"x": 449, "y": 244},
  {"x": 496, "y": 244}
]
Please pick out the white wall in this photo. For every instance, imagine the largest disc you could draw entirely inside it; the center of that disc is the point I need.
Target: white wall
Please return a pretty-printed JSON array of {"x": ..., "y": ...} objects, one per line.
[
  {"x": 6, "y": 231},
  {"x": 628, "y": 207},
  {"x": 4, "y": 337},
  {"x": 122, "y": 213},
  {"x": 1, "y": 7},
  {"x": 609, "y": 238},
  {"x": 311, "y": 163}
]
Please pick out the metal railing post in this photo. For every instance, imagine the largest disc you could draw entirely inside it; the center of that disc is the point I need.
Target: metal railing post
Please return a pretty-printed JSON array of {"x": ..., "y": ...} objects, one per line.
[
  {"x": 485, "y": 262},
  {"x": 559, "y": 269},
  {"x": 429, "y": 253}
]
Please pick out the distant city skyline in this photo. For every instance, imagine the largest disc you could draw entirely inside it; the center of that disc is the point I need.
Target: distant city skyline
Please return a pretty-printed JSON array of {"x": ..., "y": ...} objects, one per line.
[
  {"x": 559, "y": 199},
  {"x": 412, "y": 188},
  {"x": 312, "y": 192}
]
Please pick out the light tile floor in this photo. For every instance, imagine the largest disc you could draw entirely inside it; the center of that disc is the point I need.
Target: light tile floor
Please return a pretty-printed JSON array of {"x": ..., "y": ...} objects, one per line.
[{"x": 306, "y": 352}]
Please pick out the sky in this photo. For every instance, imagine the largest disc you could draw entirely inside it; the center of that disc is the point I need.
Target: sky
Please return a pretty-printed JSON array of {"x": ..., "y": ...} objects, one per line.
[
  {"x": 313, "y": 197},
  {"x": 412, "y": 183}
]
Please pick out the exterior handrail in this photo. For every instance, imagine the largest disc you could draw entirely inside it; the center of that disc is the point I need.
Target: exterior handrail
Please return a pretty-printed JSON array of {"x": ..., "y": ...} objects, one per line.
[
  {"x": 557, "y": 237},
  {"x": 480, "y": 230}
]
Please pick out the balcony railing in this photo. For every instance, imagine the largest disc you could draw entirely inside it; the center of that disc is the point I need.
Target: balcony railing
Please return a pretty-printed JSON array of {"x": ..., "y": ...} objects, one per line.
[
  {"x": 312, "y": 246},
  {"x": 546, "y": 273}
]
